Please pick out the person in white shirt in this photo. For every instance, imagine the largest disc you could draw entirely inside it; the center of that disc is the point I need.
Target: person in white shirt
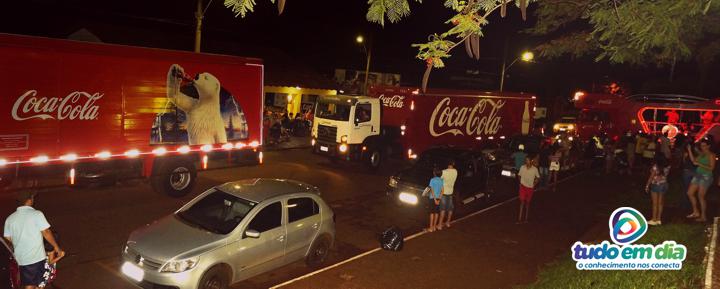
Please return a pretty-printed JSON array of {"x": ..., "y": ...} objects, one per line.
[
  {"x": 529, "y": 177},
  {"x": 449, "y": 176},
  {"x": 25, "y": 230}
]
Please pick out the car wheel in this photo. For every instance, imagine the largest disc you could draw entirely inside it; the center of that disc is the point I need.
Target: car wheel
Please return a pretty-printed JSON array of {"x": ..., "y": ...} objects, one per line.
[
  {"x": 214, "y": 278},
  {"x": 318, "y": 253}
]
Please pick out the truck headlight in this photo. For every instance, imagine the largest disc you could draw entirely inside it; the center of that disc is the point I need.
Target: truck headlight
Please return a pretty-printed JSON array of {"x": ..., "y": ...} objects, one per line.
[
  {"x": 343, "y": 148},
  {"x": 180, "y": 265},
  {"x": 571, "y": 127},
  {"x": 408, "y": 198},
  {"x": 343, "y": 138},
  {"x": 393, "y": 182},
  {"x": 556, "y": 126}
]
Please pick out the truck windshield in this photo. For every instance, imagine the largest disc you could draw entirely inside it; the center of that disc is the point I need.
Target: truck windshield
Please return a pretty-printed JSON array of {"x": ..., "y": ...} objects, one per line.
[
  {"x": 218, "y": 212},
  {"x": 333, "y": 110}
]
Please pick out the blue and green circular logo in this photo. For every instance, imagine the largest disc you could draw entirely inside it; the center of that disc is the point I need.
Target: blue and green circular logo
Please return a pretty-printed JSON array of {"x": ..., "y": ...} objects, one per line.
[{"x": 627, "y": 225}]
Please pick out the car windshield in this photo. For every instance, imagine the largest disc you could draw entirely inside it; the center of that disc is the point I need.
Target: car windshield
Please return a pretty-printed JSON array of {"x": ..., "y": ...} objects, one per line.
[
  {"x": 333, "y": 110},
  {"x": 217, "y": 212}
]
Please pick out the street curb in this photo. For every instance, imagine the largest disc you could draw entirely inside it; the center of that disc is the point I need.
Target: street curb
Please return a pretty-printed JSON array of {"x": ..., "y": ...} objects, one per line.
[
  {"x": 408, "y": 238},
  {"x": 711, "y": 255}
]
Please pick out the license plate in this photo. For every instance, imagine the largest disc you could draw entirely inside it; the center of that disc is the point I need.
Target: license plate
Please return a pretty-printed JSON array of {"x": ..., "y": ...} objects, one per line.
[
  {"x": 132, "y": 271},
  {"x": 324, "y": 148},
  {"x": 506, "y": 173}
]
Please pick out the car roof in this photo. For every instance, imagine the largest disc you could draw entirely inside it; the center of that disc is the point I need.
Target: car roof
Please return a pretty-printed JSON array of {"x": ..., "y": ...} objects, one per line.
[{"x": 260, "y": 189}]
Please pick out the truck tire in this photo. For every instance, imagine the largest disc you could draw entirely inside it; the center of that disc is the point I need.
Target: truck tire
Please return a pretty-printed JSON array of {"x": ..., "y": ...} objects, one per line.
[
  {"x": 174, "y": 177},
  {"x": 374, "y": 159}
]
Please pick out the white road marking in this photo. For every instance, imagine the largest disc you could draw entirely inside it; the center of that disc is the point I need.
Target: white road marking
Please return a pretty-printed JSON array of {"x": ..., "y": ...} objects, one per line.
[
  {"x": 711, "y": 255},
  {"x": 408, "y": 238}
]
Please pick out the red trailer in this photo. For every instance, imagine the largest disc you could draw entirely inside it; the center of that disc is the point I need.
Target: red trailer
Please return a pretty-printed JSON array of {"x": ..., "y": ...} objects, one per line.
[
  {"x": 93, "y": 110},
  {"x": 402, "y": 119},
  {"x": 648, "y": 113}
]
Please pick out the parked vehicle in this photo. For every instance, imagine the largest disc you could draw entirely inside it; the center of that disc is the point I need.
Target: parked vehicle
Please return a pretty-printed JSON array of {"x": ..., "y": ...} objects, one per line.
[
  {"x": 567, "y": 124},
  {"x": 230, "y": 233},
  {"x": 94, "y": 111},
  {"x": 404, "y": 122},
  {"x": 478, "y": 173},
  {"x": 9, "y": 274}
]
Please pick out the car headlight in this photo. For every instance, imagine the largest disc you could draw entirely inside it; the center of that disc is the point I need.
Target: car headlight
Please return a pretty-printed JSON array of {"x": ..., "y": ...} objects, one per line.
[
  {"x": 571, "y": 127},
  {"x": 408, "y": 198},
  {"x": 556, "y": 126},
  {"x": 178, "y": 266},
  {"x": 393, "y": 182}
]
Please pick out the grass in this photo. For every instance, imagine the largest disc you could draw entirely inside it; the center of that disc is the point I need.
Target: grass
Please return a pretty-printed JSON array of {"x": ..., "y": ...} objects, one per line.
[{"x": 563, "y": 274}]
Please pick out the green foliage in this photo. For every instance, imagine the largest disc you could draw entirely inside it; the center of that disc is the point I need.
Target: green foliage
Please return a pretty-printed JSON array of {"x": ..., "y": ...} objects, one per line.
[
  {"x": 241, "y": 7},
  {"x": 393, "y": 10},
  {"x": 630, "y": 31}
]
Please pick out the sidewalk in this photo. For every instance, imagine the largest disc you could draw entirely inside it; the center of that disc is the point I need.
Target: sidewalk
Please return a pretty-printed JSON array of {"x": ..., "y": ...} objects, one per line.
[{"x": 484, "y": 251}]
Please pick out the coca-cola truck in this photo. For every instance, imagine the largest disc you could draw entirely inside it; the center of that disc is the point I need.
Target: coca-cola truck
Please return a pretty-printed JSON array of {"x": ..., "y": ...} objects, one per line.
[
  {"x": 97, "y": 111},
  {"x": 404, "y": 121}
]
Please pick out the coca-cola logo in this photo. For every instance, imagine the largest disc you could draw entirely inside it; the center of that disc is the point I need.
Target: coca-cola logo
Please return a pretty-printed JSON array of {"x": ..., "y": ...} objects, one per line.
[
  {"x": 76, "y": 105},
  {"x": 395, "y": 101},
  {"x": 480, "y": 119}
]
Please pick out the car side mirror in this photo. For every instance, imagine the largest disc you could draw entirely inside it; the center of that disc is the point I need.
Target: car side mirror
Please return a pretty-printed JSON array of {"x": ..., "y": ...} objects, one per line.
[{"x": 252, "y": 234}]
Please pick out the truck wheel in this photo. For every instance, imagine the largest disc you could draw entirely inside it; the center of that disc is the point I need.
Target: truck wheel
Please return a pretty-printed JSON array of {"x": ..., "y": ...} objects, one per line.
[
  {"x": 374, "y": 159},
  {"x": 174, "y": 177}
]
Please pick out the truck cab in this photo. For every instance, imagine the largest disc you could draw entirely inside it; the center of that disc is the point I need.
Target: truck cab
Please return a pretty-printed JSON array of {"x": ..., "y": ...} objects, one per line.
[{"x": 348, "y": 127}]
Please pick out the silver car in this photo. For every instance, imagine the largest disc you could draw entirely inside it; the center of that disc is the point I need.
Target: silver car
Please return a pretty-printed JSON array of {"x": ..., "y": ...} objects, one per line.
[{"x": 230, "y": 233}]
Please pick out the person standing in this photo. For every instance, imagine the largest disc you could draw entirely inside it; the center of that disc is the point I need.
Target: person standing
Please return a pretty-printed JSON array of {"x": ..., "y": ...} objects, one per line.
[
  {"x": 544, "y": 163},
  {"x": 630, "y": 150},
  {"x": 554, "y": 166},
  {"x": 657, "y": 186},
  {"x": 436, "y": 188},
  {"x": 447, "y": 206},
  {"x": 529, "y": 177},
  {"x": 25, "y": 230},
  {"x": 665, "y": 146},
  {"x": 519, "y": 157},
  {"x": 700, "y": 183}
]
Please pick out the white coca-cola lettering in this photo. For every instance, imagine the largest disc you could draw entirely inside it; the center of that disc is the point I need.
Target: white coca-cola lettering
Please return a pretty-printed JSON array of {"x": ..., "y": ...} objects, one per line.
[
  {"x": 480, "y": 119},
  {"x": 396, "y": 101},
  {"x": 76, "y": 105}
]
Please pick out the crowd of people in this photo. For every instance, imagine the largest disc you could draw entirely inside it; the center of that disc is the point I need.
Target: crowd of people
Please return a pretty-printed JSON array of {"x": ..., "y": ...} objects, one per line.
[{"x": 280, "y": 125}]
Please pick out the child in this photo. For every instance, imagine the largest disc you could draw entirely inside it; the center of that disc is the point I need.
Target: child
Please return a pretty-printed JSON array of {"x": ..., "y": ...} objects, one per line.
[
  {"x": 51, "y": 264},
  {"x": 529, "y": 177},
  {"x": 436, "y": 190},
  {"x": 657, "y": 186}
]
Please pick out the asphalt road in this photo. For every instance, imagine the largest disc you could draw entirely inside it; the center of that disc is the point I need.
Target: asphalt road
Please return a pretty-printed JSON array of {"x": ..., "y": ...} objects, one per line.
[{"x": 93, "y": 223}]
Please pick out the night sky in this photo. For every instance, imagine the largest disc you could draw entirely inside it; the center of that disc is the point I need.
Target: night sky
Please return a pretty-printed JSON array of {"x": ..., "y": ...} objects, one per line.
[{"x": 320, "y": 34}]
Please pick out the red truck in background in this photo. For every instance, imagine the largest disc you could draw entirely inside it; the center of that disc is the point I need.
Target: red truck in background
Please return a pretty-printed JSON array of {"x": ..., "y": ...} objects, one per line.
[
  {"x": 403, "y": 120},
  {"x": 93, "y": 110},
  {"x": 602, "y": 113}
]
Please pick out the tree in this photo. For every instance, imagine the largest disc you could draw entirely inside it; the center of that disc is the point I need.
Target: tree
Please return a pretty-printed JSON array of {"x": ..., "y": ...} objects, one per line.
[
  {"x": 466, "y": 24},
  {"x": 637, "y": 32}
]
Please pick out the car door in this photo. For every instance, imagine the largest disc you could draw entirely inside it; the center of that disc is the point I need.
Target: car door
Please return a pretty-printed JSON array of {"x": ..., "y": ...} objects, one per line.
[
  {"x": 469, "y": 179},
  {"x": 303, "y": 225},
  {"x": 266, "y": 252}
]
